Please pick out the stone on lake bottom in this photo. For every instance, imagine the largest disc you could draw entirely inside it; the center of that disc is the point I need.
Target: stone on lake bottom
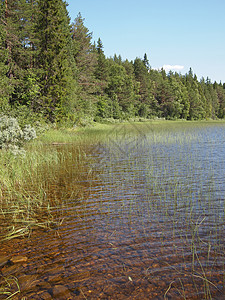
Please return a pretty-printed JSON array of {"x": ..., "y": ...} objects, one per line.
[
  {"x": 18, "y": 259},
  {"x": 61, "y": 292}
]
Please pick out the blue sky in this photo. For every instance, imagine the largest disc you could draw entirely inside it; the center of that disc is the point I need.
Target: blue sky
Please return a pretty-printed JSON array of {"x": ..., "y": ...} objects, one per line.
[{"x": 176, "y": 34}]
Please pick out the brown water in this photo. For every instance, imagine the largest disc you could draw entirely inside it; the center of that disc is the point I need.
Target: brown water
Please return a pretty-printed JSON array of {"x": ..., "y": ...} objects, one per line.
[{"x": 149, "y": 223}]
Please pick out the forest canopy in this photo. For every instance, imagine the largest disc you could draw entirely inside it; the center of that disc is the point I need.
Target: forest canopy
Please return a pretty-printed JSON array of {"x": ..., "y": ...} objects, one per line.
[{"x": 51, "y": 66}]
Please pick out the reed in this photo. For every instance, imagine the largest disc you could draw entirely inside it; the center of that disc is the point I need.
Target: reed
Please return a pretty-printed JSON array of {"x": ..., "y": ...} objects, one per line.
[
  {"x": 9, "y": 287},
  {"x": 30, "y": 185}
]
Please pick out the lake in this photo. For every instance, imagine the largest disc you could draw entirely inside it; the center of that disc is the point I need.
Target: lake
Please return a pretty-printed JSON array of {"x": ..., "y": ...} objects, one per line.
[{"x": 144, "y": 218}]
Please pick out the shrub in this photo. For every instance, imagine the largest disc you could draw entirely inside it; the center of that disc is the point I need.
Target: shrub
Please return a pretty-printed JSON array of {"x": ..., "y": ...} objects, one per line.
[
  {"x": 25, "y": 116},
  {"x": 12, "y": 136}
]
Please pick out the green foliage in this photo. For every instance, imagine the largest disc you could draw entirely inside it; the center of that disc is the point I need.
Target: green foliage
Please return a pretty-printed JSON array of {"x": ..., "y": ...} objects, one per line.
[
  {"x": 104, "y": 108},
  {"x": 16, "y": 32},
  {"x": 116, "y": 108},
  {"x": 101, "y": 70},
  {"x": 143, "y": 110},
  {"x": 25, "y": 116},
  {"x": 121, "y": 85},
  {"x": 221, "y": 99},
  {"x": 55, "y": 73},
  {"x": 53, "y": 68},
  {"x": 5, "y": 88},
  {"x": 85, "y": 60}
]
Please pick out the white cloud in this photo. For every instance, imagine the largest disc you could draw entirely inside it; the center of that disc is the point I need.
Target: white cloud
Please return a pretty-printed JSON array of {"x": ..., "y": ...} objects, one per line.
[{"x": 174, "y": 67}]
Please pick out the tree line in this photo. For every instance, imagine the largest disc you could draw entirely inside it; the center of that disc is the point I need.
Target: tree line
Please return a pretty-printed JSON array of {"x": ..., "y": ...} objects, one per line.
[{"x": 51, "y": 65}]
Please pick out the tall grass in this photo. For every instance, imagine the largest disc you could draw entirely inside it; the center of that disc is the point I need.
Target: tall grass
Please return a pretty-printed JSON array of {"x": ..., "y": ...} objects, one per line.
[{"x": 31, "y": 185}]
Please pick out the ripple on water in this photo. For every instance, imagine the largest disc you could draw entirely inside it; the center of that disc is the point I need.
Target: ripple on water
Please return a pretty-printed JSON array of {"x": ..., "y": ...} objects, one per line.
[{"x": 150, "y": 225}]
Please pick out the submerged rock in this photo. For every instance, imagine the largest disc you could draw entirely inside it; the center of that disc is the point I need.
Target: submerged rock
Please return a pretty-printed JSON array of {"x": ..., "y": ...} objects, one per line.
[
  {"x": 18, "y": 259},
  {"x": 61, "y": 292}
]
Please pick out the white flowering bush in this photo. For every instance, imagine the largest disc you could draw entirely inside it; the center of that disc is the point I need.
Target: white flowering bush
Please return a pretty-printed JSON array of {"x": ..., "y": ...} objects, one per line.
[
  {"x": 29, "y": 133},
  {"x": 12, "y": 136}
]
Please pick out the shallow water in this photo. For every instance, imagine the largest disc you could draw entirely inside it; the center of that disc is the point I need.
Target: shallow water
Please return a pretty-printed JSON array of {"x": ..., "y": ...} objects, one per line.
[{"x": 149, "y": 223}]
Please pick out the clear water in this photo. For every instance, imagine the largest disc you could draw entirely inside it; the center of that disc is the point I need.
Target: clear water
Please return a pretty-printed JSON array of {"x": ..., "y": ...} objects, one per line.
[{"x": 149, "y": 224}]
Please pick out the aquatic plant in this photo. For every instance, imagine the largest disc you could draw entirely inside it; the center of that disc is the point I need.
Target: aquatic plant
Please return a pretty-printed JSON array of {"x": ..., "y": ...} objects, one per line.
[
  {"x": 9, "y": 287},
  {"x": 30, "y": 185}
]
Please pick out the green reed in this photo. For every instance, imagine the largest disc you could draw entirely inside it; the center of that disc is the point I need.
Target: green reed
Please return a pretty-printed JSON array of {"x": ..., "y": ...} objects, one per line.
[{"x": 35, "y": 185}]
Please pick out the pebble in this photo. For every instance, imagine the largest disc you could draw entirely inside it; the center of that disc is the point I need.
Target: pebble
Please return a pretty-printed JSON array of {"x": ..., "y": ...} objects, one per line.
[
  {"x": 61, "y": 292},
  {"x": 18, "y": 259}
]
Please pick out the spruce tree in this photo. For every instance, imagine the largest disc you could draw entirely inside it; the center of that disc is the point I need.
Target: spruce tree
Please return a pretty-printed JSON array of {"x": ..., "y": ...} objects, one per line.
[
  {"x": 146, "y": 61},
  {"x": 16, "y": 50},
  {"x": 27, "y": 91},
  {"x": 221, "y": 98},
  {"x": 55, "y": 72},
  {"x": 5, "y": 90},
  {"x": 142, "y": 76},
  {"x": 9, "y": 40},
  {"x": 101, "y": 71},
  {"x": 86, "y": 61}
]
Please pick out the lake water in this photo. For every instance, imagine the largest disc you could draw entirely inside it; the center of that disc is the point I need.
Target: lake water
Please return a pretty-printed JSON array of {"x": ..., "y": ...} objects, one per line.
[{"x": 148, "y": 223}]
